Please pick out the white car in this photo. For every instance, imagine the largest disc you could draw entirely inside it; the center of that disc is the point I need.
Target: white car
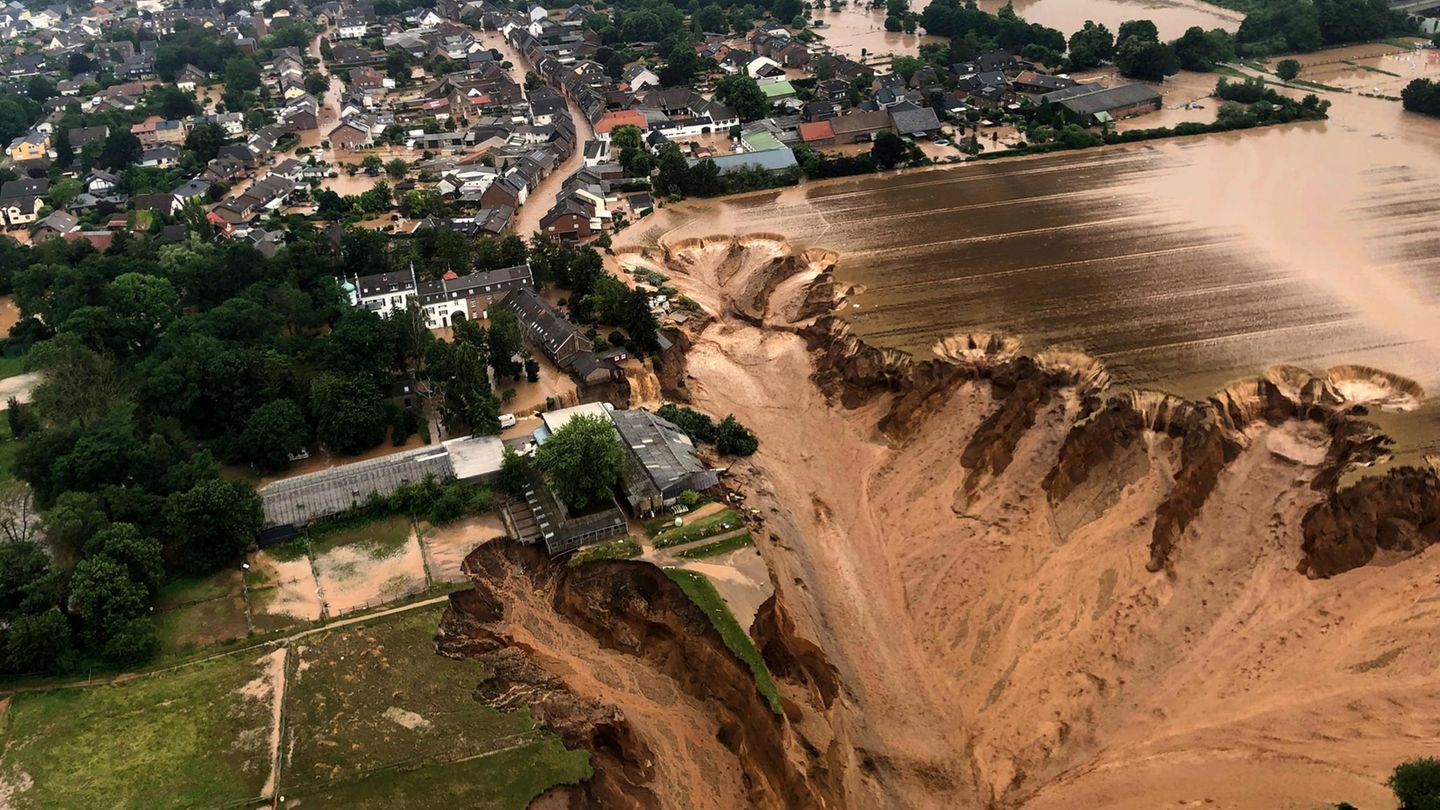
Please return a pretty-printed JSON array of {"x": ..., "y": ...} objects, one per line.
[{"x": 507, "y": 420}]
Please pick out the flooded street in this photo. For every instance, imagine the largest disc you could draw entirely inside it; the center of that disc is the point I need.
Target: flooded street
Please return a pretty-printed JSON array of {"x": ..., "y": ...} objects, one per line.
[{"x": 1182, "y": 264}]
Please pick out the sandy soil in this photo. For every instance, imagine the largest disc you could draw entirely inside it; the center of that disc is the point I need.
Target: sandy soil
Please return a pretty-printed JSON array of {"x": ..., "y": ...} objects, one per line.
[
  {"x": 690, "y": 761},
  {"x": 280, "y": 593},
  {"x": 445, "y": 547},
  {"x": 352, "y": 578},
  {"x": 998, "y": 651},
  {"x": 741, "y": 578}
]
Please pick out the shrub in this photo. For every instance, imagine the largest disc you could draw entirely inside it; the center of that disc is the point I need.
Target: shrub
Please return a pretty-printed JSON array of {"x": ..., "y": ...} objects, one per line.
[{"x": 1417, "y": 784}]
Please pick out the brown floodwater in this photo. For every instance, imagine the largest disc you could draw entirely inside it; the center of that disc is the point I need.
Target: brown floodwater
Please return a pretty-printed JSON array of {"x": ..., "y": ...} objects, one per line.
[
  {"x": 1182, "y": 264},
  {"x": 1171, "y": 17},
  {"x": 856, "y": 26}
]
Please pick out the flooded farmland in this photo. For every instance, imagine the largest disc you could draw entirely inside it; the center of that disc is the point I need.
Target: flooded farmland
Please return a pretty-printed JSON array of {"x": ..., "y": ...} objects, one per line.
[{"x": 1182, "y": 264}]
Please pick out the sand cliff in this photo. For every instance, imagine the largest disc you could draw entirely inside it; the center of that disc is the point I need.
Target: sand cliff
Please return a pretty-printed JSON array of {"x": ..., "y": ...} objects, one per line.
[{"x": 1002, "y": 583}]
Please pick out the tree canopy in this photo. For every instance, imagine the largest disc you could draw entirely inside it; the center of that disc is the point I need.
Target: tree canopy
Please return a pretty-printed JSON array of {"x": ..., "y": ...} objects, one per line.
[{"x": 582, "y": 460}]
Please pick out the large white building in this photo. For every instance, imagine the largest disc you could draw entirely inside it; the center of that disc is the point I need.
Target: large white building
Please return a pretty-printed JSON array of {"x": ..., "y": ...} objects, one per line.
[{"x": 443, "y": 299}]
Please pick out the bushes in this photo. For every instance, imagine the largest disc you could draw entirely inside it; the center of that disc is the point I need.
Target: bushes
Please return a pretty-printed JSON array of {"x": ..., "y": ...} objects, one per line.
[
  {"x": 731, "y": 438},
  {"x": 1422, "y": 96},
  {"x": 1417, "y": 784}
]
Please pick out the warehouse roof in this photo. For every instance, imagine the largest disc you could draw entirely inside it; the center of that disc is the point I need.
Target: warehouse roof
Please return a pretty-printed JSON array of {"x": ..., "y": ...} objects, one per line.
[
  {"x": 1093, "y": 101},
  {"x": 307, "y": 498}
]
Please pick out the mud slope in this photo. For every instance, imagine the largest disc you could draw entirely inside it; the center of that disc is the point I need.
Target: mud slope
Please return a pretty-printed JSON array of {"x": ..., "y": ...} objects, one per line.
[
  {"x": 616, "y": 659},
  {"x": 1035, "y": 591}
]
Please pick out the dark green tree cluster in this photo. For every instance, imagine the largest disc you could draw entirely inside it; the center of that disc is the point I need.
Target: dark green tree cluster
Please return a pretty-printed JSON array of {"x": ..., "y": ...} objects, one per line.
[
  {"x": 460, "y": 371},
  {"x": 1139, "y": 53},
  {"x": 582, "y": 461},
  {"x": 1422, "y": 96},
  {"x": 596, "y": 297},
  {"x": 1090, "y": 46},
  {"x": 205, "y": 48},
  {"x": 730, "y": 437},
  {"x": 973, "y": 31},
  {"x": 1303, "y": 25},
  {"x": 1417, "y": 784},
  {"x": 744, "y": 95},
  {"x": 166, "y": 361}
]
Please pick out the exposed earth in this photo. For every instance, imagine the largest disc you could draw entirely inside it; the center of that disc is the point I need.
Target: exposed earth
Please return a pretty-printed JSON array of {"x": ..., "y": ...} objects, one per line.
[{"x": 1000, "y": 581}]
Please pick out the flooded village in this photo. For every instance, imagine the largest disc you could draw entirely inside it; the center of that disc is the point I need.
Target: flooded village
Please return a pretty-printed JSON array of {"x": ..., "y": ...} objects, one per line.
[{"x": 985, "y": 404}]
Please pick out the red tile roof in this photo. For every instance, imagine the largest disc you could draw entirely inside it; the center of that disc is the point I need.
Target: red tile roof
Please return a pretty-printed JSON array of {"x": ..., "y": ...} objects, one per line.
[{"x": 816, "y": 131}]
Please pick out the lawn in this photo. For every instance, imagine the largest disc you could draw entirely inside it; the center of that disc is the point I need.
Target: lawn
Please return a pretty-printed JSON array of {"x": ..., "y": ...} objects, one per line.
[
  {"x": 703, "y": 593},
  {"x": 8, "y": 448},
  {"x": 198, "y": 736},
  {"x": 378, "y": 539},
  {"x": 378, "y": 696},
  {"x": 509, "y": 779},
  {"x": 622, "y": 549},
  {"x": 12, "y": 366},
  {"x": 718, "y": 547},
  {"x": 723, "y": 521}
]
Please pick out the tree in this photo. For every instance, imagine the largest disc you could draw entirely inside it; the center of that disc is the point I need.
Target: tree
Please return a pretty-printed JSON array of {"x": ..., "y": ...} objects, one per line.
[
  {"x": 372, "y": 164},
  {"x": 18, "y": 516},
  {"x": 743, "y": 94},
  {"x": 734, "y": 439},
  {"x": 171, "y": 102},
  {"x": 64, "y": 152},
  {"x": 698, "y": 426},
  {"x": 582, "y": 460},
  {"x": 273, "y": 432},
  {"x": 905, "y": 66},
  {"x": 1287, "y": 70},
  {"x": 512, "y": 472},
  {"x": 140, "y": 555},
  {"x": 1144, "y": 29},
  {"x": 349, "y": 411},
  {"x": 242, "y": 75},
  {"x": 1146, "y": 60},
  {"x": 205, "y": 141},
  {"x": 38, "y": 642},
  {"x": 1090, "y": 46},
  {"x": 212, "y": 522},
  {"x": 121, "y": 150},
  {"x": 681, "y": 67},
  {"x": 104, "y": 598},
  {"x": 1417, "y": 784},
  {"x": 1422, "y": 96},
  {"x": 397, "y": 168},
  {"x": 1202, "y": 50},
  {"x": 40, "y": 88},
  {"x": 73, "y": 520},
  {"x": 888, "y": 150}
]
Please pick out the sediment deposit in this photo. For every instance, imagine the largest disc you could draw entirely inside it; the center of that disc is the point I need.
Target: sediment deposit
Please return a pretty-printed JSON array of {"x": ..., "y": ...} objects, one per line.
[{"x": 1003, "y": 582}]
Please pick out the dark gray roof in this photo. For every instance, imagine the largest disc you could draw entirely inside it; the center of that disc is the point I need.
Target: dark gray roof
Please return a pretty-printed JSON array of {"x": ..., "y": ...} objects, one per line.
[
  {"x": 306, "y": 498},
  {"x": 920, "y": 119},
  {"x": 1109, "y": 98},
  {"x": 663, "y": 454}
]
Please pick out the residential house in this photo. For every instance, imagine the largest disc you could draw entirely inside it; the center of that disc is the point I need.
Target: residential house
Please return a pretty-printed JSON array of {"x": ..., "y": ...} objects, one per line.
[
  {"x": 34, "y": 145},
  {"x": 557, "y": 337},
  {"x": 21, "y": 200}
]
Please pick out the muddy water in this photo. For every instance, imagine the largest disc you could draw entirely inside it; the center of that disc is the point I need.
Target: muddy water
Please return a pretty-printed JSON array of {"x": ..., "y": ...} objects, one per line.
[
  {"x": 1171, "y": 17},
  {"x": 854, "y": 29},
  {"x": 1182, "y": 264}
]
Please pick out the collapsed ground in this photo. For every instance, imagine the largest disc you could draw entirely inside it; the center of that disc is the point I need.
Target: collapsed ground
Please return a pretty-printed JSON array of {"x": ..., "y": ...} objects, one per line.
[{"x": 1016, "y": 593}]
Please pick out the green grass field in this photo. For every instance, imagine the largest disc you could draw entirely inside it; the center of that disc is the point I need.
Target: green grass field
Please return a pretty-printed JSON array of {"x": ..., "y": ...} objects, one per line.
[
  {"x": 12, "y": 366},
  {"x": 8, "y": 448},
  {"x": 703, "y": 593},
  {"x": 723, "y": 521},
  {"x": 622, "y": 549},
  {"x": 379, "y": 539},
  {"x": 718, "y": 547},
  {"x": 188, "y": 738},
  {"x": 508, "y": 779},
  {"x": 377, "y": 698}
]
